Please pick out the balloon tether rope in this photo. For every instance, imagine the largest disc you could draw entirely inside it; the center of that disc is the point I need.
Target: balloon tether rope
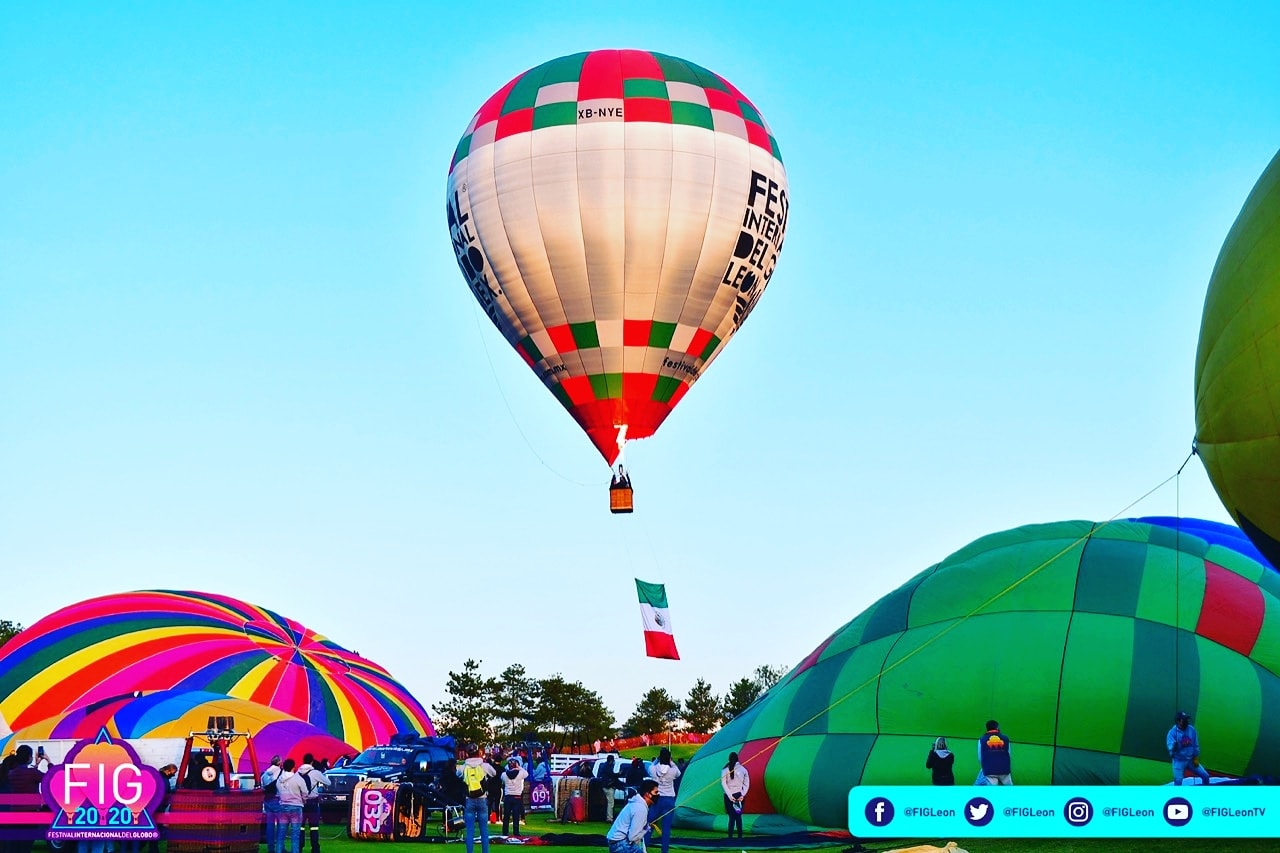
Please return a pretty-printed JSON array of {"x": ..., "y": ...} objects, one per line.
[
  {"x": 772, "y": 742},
  {"x": 511, "y": 414}
]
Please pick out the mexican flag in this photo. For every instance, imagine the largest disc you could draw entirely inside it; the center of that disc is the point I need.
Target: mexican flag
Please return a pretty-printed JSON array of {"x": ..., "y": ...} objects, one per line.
[{"x": 658, "y": 640}]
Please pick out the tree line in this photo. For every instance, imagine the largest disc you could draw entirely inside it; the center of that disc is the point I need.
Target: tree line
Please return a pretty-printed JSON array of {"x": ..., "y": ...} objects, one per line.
[{"x": 515, "y": 706}]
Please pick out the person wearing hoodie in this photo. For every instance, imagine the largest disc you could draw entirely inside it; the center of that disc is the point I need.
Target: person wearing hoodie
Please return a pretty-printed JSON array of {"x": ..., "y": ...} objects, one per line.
[
  {"x": 475, "y": 773},
  {"x": 665, "y": 773},
  {"x": 313, "y": 777},
  {"x": 942, "y": 762},
  {"x": 513, "y": 795},
  {"x": 628, "y": 831},
  {"x": 271, "y": 801},
  {"x": 293, "y": 793}
]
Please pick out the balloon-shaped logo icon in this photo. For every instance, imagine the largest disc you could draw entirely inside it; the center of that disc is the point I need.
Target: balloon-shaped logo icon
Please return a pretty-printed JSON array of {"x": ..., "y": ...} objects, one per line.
[{"x": 102, "y": 774}]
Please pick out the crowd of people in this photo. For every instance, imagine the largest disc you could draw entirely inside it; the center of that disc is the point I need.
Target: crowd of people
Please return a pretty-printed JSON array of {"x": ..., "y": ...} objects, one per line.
[{"x": 291, "y": 801}]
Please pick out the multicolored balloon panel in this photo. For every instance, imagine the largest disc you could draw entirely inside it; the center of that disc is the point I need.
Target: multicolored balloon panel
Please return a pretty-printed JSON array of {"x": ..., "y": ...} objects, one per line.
[
  {"x": 617, "y": 214},
  {"x": 165, "y": 640},
  {"x": 1237, "y": 379},
  {"x": 1082, "y": 640}
]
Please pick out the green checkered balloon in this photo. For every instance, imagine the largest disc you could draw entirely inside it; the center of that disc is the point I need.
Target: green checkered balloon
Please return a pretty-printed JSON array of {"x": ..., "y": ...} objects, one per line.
[{"x": 1082, "y": 640}]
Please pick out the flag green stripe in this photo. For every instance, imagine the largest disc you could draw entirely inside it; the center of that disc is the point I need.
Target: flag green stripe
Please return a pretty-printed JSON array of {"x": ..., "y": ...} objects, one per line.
[{"x": 652, "y": 594}]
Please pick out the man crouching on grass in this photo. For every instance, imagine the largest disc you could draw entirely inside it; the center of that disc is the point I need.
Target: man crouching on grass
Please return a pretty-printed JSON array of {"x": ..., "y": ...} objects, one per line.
[{"x": 627, "y": 833}]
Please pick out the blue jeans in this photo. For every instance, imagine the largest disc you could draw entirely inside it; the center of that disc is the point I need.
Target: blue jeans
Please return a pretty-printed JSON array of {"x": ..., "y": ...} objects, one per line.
[
  {"x": 1180, "y": 767},
  {"x": 625, "y": 846},
  {"x": 476, "y": 811},
  {"x": 512, "y": 811},
  {"x": 311, "y": 823},
  {"x": 665, "y": 808},
  {"x": 289, "y": 832},
  {"x": 272, "y": 809}
]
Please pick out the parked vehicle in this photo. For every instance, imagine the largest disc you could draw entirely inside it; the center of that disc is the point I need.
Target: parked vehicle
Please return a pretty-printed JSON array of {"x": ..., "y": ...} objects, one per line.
[
  {"x": 426, "y": 762},
  {"x": 620, "y": 763}
]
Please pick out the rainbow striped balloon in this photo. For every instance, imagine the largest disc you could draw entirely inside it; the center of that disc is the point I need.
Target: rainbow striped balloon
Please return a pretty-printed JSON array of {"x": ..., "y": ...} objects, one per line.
[{"x": 116, "y": 645}]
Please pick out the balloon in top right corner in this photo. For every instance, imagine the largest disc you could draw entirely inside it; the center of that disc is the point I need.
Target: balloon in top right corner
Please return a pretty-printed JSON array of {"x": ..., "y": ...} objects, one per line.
[{"x": 1237, "y": 381}]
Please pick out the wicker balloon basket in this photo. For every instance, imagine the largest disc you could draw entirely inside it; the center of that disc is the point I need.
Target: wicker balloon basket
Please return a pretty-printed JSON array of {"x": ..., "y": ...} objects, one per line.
[{"x": 222, "y": 821}]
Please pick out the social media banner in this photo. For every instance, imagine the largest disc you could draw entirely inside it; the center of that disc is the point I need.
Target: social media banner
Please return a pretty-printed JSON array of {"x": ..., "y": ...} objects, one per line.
[{"x": 1049, "y": 811}]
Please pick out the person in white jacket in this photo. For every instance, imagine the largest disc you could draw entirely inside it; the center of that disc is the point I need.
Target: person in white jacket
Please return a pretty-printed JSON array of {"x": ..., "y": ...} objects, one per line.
[
  {"x": 315, "y": 780},
  {"x": 293, "y": 792},
  {"x": 665, "y": 772},
  {"x": 513, "y": 795},
  {"x": 735, "y": 782}
]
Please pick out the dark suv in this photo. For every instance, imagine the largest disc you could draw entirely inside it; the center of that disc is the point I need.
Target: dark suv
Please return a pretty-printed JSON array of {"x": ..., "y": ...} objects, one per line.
[{"x": 424, "y": 762}]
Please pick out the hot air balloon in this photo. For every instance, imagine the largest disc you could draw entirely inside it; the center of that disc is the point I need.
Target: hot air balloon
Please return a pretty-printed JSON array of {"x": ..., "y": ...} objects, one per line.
[
  {"x": 114, "y": 645},
  {"x": 1237, "y": 379},
  {"x": 1083, "y": 640},
  {"x": 617, "y": 214}
]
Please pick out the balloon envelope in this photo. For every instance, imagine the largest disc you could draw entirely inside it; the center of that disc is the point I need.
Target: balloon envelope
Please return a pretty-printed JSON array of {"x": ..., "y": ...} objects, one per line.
[
  {"x": 1082, "y": 640},
  {"x": 111, "y": 646},
  {"x": 617, "y": 213},
  {"x": 1237, "y": 379}
]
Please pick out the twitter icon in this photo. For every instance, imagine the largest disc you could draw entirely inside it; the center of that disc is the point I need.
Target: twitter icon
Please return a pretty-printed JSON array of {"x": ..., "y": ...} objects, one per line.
[{"x": 979, "y": 811}]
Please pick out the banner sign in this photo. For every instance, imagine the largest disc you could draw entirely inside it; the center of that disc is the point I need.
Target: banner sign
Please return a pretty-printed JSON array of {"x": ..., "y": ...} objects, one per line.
[
  {"x": 102, "y": 791},
  {"x": 540, "y": 796},
  {"x": 374, "y": 810}
]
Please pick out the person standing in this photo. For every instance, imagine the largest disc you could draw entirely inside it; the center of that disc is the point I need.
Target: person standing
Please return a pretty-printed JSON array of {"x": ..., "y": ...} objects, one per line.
[
  {"x": 734, "y": 781},
  {"x": 626, "y": 834},
  {"x": 995, "y": 755},
  {"x": 293, "y": 793},
  {"x": 666, "y": 774},
  {"x": 315, "y": 780},
  {"x": 23, "y": 779},
  {"x": 169, "y": 771},
  {"x": 513, "y": 795},
  {"x": 942, "y": 762},
  {"x": 475, "y": 773},
  {"x": 1183, "y": 744},
  {"x": 271, "y": 802},
  {"x": 608, "y": 776}
]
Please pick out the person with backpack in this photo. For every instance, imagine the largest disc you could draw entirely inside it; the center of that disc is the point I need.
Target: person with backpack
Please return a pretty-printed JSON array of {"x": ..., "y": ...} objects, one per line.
[
  {"x": 293, "y": 793},
  {"x": 315, "y": 779},
  {"x": 475, "y": 773},
  {"x": 271, "y": 802}
]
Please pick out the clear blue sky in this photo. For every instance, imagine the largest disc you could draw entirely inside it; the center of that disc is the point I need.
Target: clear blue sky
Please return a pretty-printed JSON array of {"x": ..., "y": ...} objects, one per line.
[{"x": 236, "y": 354}]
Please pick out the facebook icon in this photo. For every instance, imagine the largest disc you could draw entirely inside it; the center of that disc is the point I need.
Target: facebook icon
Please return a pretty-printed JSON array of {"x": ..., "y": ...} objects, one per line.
[{"x": 879, "y": 812}]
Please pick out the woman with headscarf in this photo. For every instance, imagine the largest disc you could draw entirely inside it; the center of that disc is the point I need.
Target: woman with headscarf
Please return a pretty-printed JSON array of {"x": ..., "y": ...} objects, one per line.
[
  {"x": 941, "y": 761},
  {"x": 665, "y": 773},
  {"x": 735, "y": 782}
]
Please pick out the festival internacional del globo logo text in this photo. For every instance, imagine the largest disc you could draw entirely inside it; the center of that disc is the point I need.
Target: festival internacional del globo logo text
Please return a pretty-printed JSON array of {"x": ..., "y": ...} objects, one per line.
[{"x": 103, "y": 791}]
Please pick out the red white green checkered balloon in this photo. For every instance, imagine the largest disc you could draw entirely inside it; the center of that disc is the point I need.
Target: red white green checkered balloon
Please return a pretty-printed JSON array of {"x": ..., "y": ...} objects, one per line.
[{"x": 617, "y": 214}]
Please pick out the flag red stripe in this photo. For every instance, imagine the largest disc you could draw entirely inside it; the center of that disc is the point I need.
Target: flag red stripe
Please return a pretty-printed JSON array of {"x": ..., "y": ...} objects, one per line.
[{"x": 659, "y": 644}]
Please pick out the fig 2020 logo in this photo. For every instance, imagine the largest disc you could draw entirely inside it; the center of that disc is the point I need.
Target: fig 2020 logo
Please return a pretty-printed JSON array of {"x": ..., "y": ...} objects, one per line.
[{"x": 102, "y": 790}]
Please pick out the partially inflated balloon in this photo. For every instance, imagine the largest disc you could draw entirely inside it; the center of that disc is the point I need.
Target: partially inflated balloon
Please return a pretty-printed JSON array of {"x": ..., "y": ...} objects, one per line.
[
  {"x": 104, "y": 648},
  {"x": 1237, "y": 384},
  {"x": 617, "y": 214},
  {"x": 1083, "y": 640}
]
